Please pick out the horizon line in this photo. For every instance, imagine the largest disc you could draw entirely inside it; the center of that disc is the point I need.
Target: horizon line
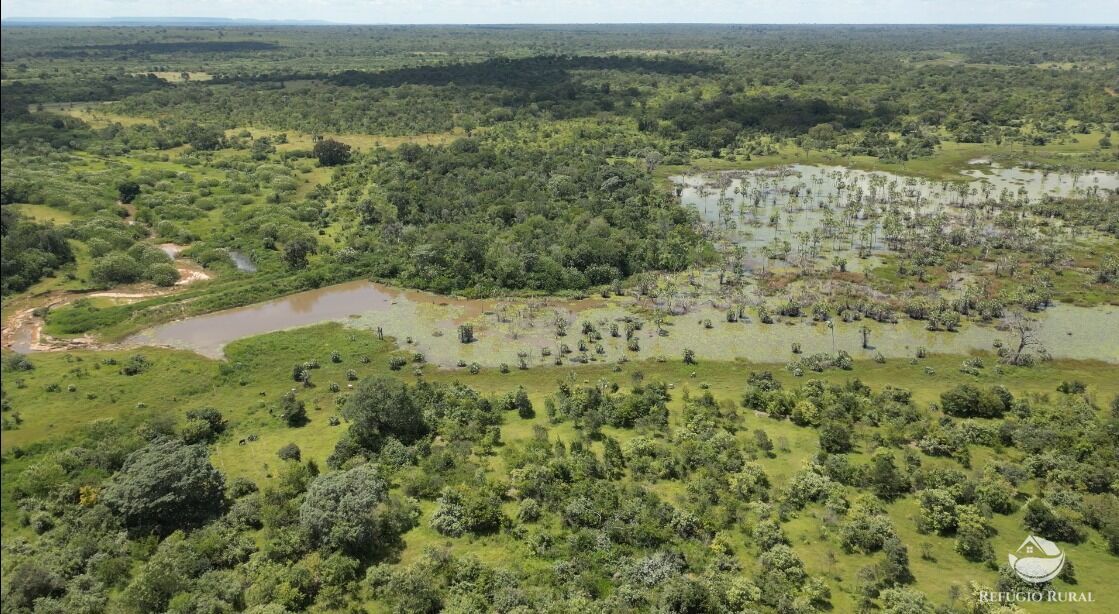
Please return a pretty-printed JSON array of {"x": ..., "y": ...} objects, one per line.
[{"x": 137, "y": 21}]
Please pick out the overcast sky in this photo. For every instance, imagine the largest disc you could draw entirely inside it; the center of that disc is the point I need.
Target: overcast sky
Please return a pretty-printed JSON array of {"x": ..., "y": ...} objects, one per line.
[{"x": 592, "y": 11}]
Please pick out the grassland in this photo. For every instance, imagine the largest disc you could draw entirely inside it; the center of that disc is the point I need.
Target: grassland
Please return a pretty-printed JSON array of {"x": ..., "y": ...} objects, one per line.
[
  {"x": 89, "y": 388},
  {"x": 1077, "y": 152}
]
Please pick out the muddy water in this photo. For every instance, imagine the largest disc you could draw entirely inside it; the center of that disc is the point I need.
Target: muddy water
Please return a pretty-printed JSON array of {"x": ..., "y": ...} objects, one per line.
[
  {"x": 209, "y": 333},
  {"x": 428, "y": 323}
]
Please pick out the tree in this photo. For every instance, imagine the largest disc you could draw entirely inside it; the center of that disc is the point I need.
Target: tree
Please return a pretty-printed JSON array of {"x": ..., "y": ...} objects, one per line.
[
  {"x": 331, "y": 152},
  {"x": 782, "y": 572},
  {"x": 996, "y": 492},
  {"x": 381, "y": 407},
  {"x": 31, "y": 580},
  {"x": 116, "y": 268},
  {"x": 128, "y": 191},
  {"x": 203, "y": 425},
  {"x": 292, "y": 410},
  {"x": 210, "y": 416},
  {"x": 768, "y": 533},
  {"x": 1046, "y": 522},
  {"x": 297, "y": 250},
  {"x": 686, "y": 595},
  {"x": 1026, "y": 343},
  {"x": 968, "y": 401},
  {"x": 867, "y": 527},
  {"x": 971, "y": 536},
  {"x": 763, "y": 442},
  {"x": 523, "y": 403},
  {"x": 466, "y": 333},
  {"x": 29, "y": 250},
  {"x": 938, "y": 511},
  {"x": 203, "y": 138},
  {"x": 165, "y": 486},
  {"x": 613, "y": 461},
  {"x": 835, "y": 438},
  {"x": 895, "y": 566},
  {"x": 462, "y": 510},
  {"x": 885, "y": 479},
  {"x": 352, "y": 511},
  {"x": 906, "y": 601}
]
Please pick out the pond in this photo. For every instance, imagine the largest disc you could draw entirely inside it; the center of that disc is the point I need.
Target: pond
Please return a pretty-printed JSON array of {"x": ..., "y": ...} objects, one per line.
[{"x": 428, "y": 323}]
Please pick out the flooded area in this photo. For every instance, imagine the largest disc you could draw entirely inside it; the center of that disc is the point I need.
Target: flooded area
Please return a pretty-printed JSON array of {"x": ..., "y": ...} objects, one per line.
[
  {"x": 802, "y": 204},
  {"x": 811, "y": 212},
  {"x": 509, "y": 329}
]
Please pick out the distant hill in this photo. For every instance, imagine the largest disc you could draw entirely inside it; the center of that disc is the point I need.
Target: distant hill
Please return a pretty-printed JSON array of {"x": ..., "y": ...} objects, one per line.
[{"x": 157, "y": 21}]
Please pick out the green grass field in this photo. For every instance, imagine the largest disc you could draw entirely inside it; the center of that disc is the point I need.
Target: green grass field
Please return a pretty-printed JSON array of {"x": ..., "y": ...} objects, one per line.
[
  {"x": 257, "y": 371},
  {"x": 950, "y": 158}
]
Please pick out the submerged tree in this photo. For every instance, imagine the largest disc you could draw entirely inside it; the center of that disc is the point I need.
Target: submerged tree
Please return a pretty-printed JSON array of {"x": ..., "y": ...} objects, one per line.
[
  {"x": 466, "y": 333},
  {"x": 1027, "y": 343}
]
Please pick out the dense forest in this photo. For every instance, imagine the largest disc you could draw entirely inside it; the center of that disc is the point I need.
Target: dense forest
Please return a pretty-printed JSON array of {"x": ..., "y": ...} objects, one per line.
[{"x": 658, "y": 318}]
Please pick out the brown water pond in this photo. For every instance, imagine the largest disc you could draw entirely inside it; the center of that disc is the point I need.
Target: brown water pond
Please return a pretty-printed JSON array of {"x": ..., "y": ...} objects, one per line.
[{"x": 505, "y": 329}]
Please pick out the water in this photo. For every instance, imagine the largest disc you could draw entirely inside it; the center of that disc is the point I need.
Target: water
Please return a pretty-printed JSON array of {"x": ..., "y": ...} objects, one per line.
[
  {"x": 505, "y": 329},
  {"x": 208, "y": 334},
  {"x": 824, "y": 212}
]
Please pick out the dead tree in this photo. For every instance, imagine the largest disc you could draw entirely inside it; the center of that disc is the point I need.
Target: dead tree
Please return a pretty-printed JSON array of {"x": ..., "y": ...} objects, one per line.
[{"x": 1026, "y": 344}]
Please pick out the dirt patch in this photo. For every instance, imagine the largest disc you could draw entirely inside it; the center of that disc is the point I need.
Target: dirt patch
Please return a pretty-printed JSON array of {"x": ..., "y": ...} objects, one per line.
[
  {"x": 190, "y": 273},
  {"x": 23, "y": 331}
]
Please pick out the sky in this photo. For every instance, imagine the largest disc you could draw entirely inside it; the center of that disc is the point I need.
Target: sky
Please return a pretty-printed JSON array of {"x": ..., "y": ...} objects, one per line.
[{"x": 590, "y": 11}]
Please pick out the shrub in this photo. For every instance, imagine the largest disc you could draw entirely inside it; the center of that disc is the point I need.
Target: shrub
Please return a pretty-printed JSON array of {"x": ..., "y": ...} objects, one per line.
[
  {"x": 116, "y": 268},
  {"x": 968, "y": 401},
  {"x": 290, "y": 452}
]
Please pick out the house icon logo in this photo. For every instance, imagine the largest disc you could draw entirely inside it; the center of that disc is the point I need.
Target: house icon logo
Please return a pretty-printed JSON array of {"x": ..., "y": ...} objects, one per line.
[{"x": 1037, "y": 560}]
